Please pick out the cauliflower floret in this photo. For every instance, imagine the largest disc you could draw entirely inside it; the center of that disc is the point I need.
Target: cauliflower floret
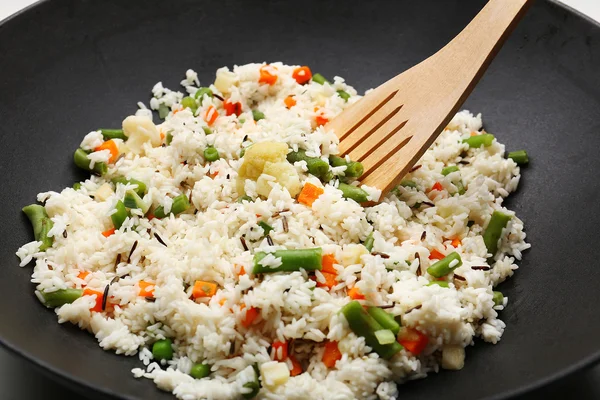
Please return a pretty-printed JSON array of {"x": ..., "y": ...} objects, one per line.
[
  {"x": 283, "y": 173},
  {"x": 140, "y": 130}
]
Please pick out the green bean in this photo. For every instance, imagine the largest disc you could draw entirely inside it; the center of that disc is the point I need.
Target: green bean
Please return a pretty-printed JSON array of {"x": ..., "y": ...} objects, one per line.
[
  {"x": 477, "y": 141},
  {"x": 384, "y": 319},
  {"x": 189, "y": 102},
  {"x": 211, "y": 154},
  {"x": 141, "y": 186},
  {"x": 443, "y": 284},
  {"x": 385, "y": 336},
  {"x": 203, "y": 91},
  {"x": 315, "y": 165},
  {"x": 446, "y": 265},
  {"x": 320, "y": 79},
  {"x": 291, "y": 260},
  {"x": 133, "y": 200},
  {"x": 353, "y": 192},
  {"x": 354, "y": 169},
  {"x": 108, "y": 134},
  {"x": 162, "y": 350},
  {"x": 245, "y": 198},
  {"x": 41, "y": 223},
  {"x": 448, "y": 170},
  {"x": 77, "y": 185},
  {"x": 120, "y": 215},
  {"x": 207, "y": 130},
  {"x": 169, "y": 139},
  {"x": 254, "y": 385},
  {"x": 492, "y": 233},
  {"x": 498, "y": 298},
  {"x": 200, "y": 371},
  {"x": 266, "y": 227},
  {"x": 327, "y": 177},
  {"x": 519, "y": 156},
  {"x": 257, "y": 115},
  {"x": 344, "y": 95},
  {"x": 369, "y": 242},
  {"x": 408, "y": 183},
  {"x": 180, "y": 204},
  {"x": 163, "y": 111},
  {"x": 61, "y": 297},
  {"x": 80, "y": 157},
  {"x": 363, "y": 324}
]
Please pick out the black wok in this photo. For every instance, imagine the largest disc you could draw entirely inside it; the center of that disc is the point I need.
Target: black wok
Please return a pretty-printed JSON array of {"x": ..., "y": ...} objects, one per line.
[{"x": 70, "y": 66}]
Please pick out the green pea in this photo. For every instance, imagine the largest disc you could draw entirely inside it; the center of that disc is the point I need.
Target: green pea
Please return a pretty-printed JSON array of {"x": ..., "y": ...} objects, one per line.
[
  {"x": 257, "y": 115},
  {"x": 162, "y": 350},
  {"x": 211, "y": 154},
  {"x": 189, "y": 102},
  {"x": 207, "y": 130},
  {"x": 77, "y": 185},
  {"x": 203, "y": 91},
  {"x": 200, "y": 371}
]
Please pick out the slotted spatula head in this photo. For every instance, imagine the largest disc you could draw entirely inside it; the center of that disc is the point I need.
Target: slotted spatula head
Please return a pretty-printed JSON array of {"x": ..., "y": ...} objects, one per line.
[{"x": 389, "y": 129}]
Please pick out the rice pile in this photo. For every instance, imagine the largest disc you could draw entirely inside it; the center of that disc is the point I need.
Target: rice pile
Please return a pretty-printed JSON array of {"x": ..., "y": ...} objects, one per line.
[{"x": 205, "y": 243}]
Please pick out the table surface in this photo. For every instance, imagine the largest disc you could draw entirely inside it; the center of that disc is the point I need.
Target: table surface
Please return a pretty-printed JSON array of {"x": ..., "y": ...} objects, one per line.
[{"x": 17, "y": 374}]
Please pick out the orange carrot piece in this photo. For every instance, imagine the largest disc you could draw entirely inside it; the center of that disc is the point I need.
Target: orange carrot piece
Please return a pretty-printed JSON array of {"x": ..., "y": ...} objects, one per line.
[
  {"x": 309, "y": 194},
  {"x": 330, "y": 280},
  {"x": 289, "y": 101},
  {"x": 436, "y": 255},
  {"x": 327, "y": 264},
  {"x": 146, "y": 289},
  {"x": 456, "y": 242},
  {"x": 232, "y": 108},
  {"x": 242, "y": 271},
  {"x": 302, "y": 75},
  {"x": 210, "y": 115},
  {"x": 111, "y": 146},
  {"x": 437, "y": 186},
  {"x": 332, "y": 354},
  {"x": 99, "y": 296},
  {"x": 251, "y": 315},
  {"x": 296, "y": 367},
  {"x": 83, "y": 274},
  {"x": 108, "y": 232},
  {"x": 204, "y": 289},
  {"x": 355, "y": 294},
  {"x": 319, "y": 118},
  {"x": 413, "y": 340},
  {"x": 284, "y": 351},
  {"x": 162, "y": 136},
  {"x": 266, "y": 75}
]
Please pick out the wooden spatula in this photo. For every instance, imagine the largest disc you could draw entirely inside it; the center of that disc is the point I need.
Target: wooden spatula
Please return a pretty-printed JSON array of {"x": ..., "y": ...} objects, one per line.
[{"x": 390, "y": 128}]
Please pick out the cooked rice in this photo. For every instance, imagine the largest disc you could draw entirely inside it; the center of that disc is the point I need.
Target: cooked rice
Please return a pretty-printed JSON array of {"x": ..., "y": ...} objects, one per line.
[{"x": 204, "y": 244}]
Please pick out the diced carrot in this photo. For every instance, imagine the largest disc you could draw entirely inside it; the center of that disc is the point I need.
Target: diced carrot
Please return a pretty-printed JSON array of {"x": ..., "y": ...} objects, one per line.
[
  {"x": 327, "y": 264},
  {"x": 99, "y": 296},
  {"x": 108, "y": 232},
  {"x": 473, "y": 133},
  {"x": 284, "y": 351},
  {"x": 150, "y": 216},
  {"x": 176, "y": 111},
  {"x": 289, "y": 101},
  {"x": 204, "y": 289},
  {"x": 222, "y": 302},
  {"x": 437, "y": 186},
  {"x": 355, "y": 294},
  {"x": 296, "y": 367},
  {"x": 210, "y": 115},
  {"x": 436, "y": 255},
  {"x": 413, "y": 340},
  {"x": 162, "y": 136},
  {"x": 330, "y": 280},
  {"x": 302, "y": 75},
  {"x": 83, "y": 274},
  {"x": 213, "y": 174},
  {"x": 146, "y": 289},
  {"x": 242, "y": 271},
  {"x": 332, "y": 354},
  {"x": 456, "y": 242},
  {"x": 267, "y": 75},
  {"x": 232, "y": 108},
  {"x": 309, "y": 194},
  {"x": 319, "y": 118},
  {"x": 111, "y": 146},
  {"x": 251, "y": 315}
]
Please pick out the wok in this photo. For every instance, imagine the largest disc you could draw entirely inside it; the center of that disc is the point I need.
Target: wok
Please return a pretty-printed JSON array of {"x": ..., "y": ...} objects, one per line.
[{"x": 70, "y": 66}]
